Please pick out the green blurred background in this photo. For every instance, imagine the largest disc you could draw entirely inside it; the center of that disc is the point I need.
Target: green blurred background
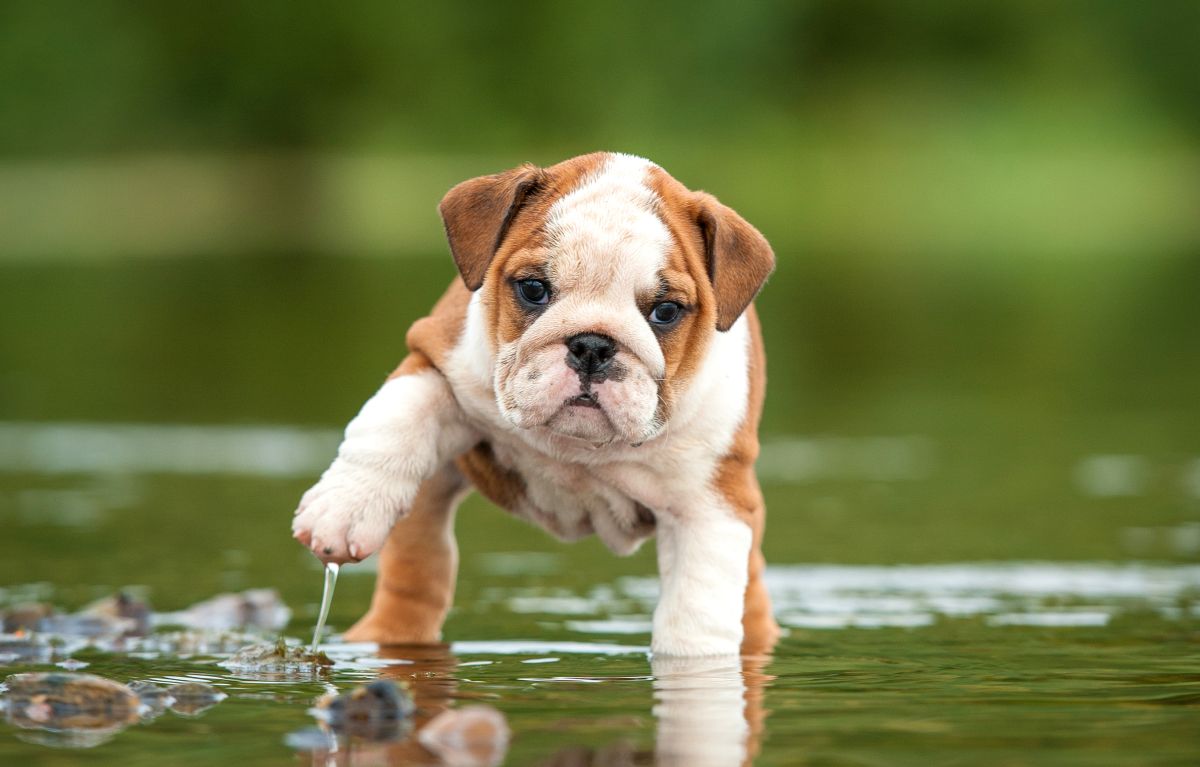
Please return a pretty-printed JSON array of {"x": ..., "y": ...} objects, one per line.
[
  {"x": 982, "y": 331},
  {"x": 982, "y": 339}
]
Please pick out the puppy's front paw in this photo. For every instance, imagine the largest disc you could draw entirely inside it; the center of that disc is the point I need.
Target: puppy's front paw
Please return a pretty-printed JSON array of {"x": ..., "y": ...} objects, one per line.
[{"x": 346, "y": 516}]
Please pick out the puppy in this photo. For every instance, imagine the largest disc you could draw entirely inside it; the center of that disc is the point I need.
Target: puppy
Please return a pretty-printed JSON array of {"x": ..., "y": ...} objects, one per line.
[{"x": 597, "y": 368}]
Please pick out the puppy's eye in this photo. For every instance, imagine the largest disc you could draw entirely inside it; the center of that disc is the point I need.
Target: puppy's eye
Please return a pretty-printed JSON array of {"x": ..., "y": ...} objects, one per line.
[
  {"x": 666, "y": 313},
  {"x": 533, "y": 292}
]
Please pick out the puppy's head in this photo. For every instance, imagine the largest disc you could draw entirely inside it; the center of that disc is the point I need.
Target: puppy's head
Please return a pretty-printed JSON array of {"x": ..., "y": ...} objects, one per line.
[{"x": 603, "y": 281}]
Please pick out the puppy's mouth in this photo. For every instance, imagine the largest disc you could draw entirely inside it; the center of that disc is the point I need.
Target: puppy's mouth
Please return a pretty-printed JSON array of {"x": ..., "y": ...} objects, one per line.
[
  {"x": 586, "y": 399},
  {"x": 582, "y": 419}
]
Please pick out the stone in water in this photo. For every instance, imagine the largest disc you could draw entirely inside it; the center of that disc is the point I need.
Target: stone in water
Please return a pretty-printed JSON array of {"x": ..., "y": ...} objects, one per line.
[
  {"x": 194, "y": 698},
  {"x": 69, "y": 702},
  {"x": 379, "y": 711},
  {"x": 276, "y": 658}
]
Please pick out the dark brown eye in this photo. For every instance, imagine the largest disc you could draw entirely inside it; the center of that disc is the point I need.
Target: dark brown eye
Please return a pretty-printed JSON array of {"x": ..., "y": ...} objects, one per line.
[
  {"x": 533, "y": 292},
  {"x": 665, "y": 313}
]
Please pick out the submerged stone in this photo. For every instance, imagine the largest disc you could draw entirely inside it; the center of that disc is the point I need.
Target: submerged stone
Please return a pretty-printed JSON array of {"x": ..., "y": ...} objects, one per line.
[
  {"x": 378, "y": 711},
  {"x": 23, "y": 649},
  {"x": 187, "y": 643},
  {"x": 113, "y": 617},
  {"x": 127, "y": 614},
  {"x": 193, "y": 698},
  {"x": 276, "y": 658},
  {"x": 69, "y": 702},
  {"x": 251, "y": 609},
  {"x": 81, "y": 625},
  {"x": 155, "y": 699},
  {"x": 84, "y": 710},
  {"x": 26, "y": 617},
  {"x": 122, "y": 622}
]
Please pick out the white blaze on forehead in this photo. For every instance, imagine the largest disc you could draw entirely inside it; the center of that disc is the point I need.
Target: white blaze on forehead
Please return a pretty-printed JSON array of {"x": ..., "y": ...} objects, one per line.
[{"x": 605, "y": 236}]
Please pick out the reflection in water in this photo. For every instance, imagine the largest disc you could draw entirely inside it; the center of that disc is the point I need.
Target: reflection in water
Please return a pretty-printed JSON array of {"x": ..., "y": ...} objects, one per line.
[
  {"x": 709, "y": 710},
  {"x": 465, "y": 740},
  {"x": 193, "y": 698},
  {"x": 621, "y": 753},
  {"x": 68, "y": 710},
  {"x": 472, "y": 736},
  {"x": 86, "y": 710}
]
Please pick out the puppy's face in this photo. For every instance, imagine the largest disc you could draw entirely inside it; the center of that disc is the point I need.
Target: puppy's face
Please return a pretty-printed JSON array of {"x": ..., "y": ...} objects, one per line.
[
  {"x": 593, "y": 311},
  {"x": 600, "y": 295}
]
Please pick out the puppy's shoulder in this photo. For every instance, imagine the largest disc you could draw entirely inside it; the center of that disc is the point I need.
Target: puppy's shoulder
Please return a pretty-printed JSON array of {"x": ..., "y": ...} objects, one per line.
[{"x": 431, "y": 338}]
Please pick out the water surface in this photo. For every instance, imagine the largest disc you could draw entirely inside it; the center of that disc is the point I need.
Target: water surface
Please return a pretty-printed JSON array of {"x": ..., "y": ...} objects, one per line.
[{"x": 983, "y": 493}]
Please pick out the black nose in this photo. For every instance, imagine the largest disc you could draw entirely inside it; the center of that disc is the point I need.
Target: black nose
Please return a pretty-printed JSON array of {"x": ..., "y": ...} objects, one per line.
[{"x": 590, "y": 353}]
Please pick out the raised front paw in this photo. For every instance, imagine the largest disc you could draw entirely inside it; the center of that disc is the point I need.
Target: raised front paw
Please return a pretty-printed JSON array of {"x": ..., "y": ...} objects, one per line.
[{"x": 346, "y": 516}]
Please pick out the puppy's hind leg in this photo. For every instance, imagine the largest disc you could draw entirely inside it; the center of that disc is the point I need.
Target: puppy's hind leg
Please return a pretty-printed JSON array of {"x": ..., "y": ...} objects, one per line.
[
  {"x": 418, "y": 565},
  {"x": 760, "y": 631}
]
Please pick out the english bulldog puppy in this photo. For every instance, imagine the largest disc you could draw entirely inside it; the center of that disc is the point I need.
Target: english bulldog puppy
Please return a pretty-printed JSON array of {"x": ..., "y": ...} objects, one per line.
[{"x": 597, "y": 368}]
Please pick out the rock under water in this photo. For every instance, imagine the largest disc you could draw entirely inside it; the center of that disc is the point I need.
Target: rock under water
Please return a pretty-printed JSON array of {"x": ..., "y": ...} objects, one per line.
[{"x": 276, "y": 658}]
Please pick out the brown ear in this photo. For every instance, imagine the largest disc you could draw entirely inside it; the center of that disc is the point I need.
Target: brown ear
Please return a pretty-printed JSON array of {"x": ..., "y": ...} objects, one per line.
[
  {"x": 739, "y": 258},
  {"x": 477, "y": 214}
]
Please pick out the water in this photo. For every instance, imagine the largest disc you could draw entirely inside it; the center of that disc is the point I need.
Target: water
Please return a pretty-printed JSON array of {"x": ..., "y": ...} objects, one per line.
[
  {"x": 331, "y": 575},
  {"x": 983, "y": 526},
  {"x": 962, "y": 687}
]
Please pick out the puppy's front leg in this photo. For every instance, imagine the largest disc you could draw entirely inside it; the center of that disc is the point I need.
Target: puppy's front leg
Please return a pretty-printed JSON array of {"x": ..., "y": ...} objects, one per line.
[
  {"x": 702, "y": 567},
  {"x": 402, "y": 435}
]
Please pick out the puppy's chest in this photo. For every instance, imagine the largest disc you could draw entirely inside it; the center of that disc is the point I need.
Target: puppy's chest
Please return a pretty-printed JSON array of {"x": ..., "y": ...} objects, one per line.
[{"x": 569, "y": 500}]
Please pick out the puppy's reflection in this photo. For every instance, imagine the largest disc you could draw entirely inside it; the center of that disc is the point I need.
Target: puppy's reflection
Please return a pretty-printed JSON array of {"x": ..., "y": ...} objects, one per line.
[
  {"x": 429, "y": 674},
  {"x": 709, "y": 711}
]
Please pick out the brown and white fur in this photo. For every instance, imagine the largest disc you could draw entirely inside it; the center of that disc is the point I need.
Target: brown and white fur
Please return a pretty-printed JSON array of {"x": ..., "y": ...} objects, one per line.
[{"x": 664, "y": 444}]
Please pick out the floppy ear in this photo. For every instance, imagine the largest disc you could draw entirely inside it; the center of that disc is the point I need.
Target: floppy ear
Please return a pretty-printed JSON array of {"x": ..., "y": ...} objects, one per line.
[
  {"x": 477, "y": 214},
  {"x": 739, "y": 258}
]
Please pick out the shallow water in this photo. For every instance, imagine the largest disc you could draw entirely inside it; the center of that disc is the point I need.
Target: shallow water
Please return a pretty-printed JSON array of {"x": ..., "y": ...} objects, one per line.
[
  {"x": 983, "y": 557},
  {"x": 965, "y": 687}
]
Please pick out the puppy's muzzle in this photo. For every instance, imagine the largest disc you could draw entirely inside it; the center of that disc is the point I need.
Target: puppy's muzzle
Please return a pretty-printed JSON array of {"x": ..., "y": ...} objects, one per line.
[{"x": 590, "y": 355}]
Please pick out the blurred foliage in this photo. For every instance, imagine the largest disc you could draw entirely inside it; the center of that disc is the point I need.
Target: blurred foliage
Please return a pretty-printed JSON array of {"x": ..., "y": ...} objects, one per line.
[
  {"x": 985, "y": 214},
  {"x": 111, "y": 75},
  {"x": 868, "y": 128}
]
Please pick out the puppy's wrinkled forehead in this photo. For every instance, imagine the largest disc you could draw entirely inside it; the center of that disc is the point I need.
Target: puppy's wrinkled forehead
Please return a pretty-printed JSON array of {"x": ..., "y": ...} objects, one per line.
[
  {"x": 606, "y": 234},
  {"x": 609, "y": 222}
]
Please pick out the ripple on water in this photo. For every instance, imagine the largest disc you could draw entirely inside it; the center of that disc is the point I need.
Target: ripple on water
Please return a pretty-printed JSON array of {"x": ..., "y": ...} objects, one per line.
[{"x": 1005, "y": 594}]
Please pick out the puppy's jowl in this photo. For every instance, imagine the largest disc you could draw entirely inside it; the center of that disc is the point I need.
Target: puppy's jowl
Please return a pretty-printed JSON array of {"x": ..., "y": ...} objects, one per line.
[{"x": 597, "y": 368}]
